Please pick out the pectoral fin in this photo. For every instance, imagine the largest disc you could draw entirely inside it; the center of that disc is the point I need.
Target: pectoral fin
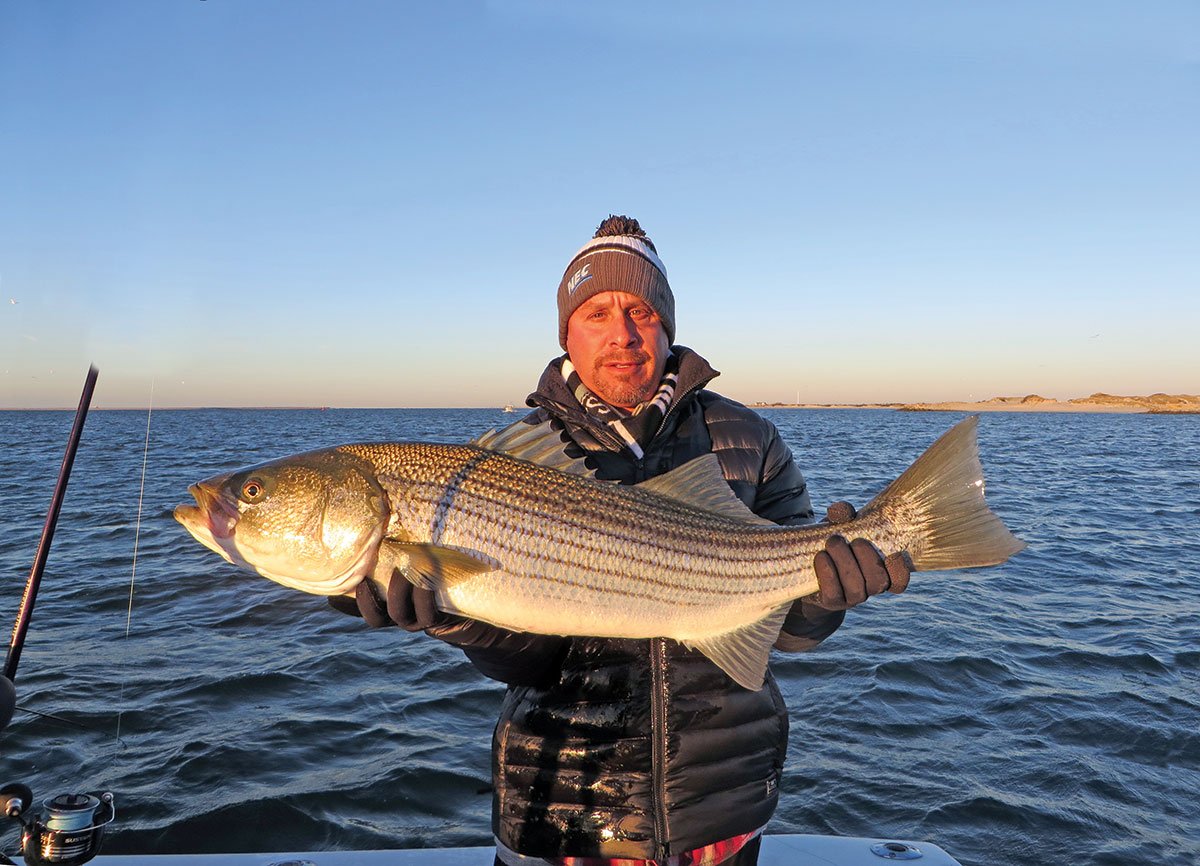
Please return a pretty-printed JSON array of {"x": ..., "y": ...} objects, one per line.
[
  {"x": 428, "y": 566},
  {"x": 743, "y": 653}
]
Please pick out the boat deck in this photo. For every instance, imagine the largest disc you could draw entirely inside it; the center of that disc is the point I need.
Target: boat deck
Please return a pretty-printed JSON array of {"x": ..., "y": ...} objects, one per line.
[{"x": 777, "y": 850}]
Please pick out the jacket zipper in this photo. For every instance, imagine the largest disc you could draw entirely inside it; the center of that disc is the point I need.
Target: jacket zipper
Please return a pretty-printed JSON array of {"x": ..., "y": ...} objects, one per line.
[
  {"x": 678, "y": 399},
  {"x": 659, "y": 699},
  {"x": 660, "y": 695}
]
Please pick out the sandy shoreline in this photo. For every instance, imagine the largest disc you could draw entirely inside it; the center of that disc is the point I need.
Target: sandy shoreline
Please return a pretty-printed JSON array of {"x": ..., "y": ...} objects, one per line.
[{"x": 1164, "y": 404}]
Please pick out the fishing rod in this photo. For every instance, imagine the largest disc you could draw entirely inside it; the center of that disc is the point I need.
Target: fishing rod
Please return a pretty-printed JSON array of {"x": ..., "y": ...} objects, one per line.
[
  {"x": 25, "y": 612},
  {"x": 70, "y": 826}
]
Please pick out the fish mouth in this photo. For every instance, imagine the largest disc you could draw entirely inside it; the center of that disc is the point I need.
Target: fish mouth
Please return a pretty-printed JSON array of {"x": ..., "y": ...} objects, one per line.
[
  {"x": 219, "y": 514},
  {"x": 211, "y": 521}
]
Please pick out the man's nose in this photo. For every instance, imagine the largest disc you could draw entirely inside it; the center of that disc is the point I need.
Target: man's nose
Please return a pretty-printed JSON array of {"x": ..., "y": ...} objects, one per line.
[{"x": 624, "y": 332}]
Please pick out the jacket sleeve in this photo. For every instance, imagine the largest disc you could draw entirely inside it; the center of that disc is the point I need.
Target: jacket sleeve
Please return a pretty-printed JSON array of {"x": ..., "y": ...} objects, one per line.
[
  {"x": 782, "y": 493},
  {"x": 805, "y": 627},
  {"x": 756, "y": 462},
  {"x": 514, "y": 658}
]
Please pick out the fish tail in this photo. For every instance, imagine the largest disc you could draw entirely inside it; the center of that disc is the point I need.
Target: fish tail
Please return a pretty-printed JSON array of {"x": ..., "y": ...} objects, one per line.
[{"x": 939, "y": 503}]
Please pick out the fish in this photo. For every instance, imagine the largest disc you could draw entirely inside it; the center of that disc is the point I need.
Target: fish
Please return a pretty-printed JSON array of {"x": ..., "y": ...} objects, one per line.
[{"x": 511, "y": 530}]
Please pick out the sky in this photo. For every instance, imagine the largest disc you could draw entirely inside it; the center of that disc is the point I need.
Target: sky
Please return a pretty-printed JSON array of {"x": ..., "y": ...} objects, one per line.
[{"x": 371, "y": 204}]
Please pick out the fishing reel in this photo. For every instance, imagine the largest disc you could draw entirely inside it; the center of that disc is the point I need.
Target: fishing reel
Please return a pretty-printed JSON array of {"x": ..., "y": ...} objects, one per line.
[{"x": 69, "y": 829}]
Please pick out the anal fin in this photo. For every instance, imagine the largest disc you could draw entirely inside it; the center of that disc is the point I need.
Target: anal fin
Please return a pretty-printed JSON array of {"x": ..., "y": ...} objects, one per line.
[{"x": 743, "y": 653}]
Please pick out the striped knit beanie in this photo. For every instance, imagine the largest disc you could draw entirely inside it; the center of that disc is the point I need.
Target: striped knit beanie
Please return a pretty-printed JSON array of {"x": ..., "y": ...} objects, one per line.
[{"x": 619, "y": 258}]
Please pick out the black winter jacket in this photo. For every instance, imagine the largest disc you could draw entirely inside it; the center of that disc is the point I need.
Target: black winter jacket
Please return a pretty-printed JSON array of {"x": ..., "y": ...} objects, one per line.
[{"x": 642, "y": 748}]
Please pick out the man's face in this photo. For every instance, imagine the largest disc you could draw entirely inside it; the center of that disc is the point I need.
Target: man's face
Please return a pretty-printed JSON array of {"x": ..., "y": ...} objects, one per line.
[{"x": 617, "y": 343}]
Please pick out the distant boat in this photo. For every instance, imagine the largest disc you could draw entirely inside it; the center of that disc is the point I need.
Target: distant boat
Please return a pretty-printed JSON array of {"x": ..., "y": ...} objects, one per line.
[{"x": 508, "y": 408}]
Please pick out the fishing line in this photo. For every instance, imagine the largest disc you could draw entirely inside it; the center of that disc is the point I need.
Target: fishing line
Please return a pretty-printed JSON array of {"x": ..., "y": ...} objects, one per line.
[
  {"x": 137, "y": 534},
  {"x": 60, "y": 719}
]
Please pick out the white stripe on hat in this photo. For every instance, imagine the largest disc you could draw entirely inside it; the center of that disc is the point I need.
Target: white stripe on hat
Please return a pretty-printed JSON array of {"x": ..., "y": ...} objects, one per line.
[{"x": 634, "y": 246}]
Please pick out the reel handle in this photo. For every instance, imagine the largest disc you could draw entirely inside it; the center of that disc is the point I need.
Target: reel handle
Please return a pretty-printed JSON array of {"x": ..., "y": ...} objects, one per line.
[{"x": 15, "y": 798}]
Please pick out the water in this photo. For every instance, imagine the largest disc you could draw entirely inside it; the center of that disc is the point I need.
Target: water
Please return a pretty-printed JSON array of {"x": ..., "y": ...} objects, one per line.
[{"x": 1045, "y": 711}]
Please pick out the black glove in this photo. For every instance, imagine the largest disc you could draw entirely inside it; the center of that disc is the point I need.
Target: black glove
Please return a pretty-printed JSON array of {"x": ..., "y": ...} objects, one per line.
[
  {"x": 848, "y": 573},
  {"x": 408, "y": 606},
  {"x": 515, "y": 658}
]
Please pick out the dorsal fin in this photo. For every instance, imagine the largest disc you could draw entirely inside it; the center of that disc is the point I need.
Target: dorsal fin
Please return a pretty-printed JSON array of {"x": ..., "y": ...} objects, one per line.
[
  {"x": 536, "y": 443},
  {"x": 699, "y": 483}
]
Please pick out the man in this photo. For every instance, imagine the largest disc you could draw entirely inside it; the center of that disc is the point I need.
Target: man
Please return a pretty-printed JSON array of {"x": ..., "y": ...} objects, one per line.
[{"x": 641, "y": 750}]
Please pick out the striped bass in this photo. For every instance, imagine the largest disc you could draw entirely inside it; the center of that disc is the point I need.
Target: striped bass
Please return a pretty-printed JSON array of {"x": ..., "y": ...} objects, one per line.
[{"x": 511, "y": 531}]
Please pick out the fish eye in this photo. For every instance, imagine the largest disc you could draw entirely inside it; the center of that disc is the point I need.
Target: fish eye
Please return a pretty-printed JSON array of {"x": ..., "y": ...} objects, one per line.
[{"x": 253, "y": 490}]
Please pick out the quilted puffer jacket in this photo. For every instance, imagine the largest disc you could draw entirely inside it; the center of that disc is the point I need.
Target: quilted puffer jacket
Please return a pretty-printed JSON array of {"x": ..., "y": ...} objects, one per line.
[{"x": 642, "y": 748}]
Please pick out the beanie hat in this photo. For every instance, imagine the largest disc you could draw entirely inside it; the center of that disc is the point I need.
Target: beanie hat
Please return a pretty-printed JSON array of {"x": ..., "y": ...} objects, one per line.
[{"x": 619, "y": 258}]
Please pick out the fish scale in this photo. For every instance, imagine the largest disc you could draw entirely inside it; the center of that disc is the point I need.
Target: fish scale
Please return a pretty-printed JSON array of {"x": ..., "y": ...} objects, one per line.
[{"x": 540, "y": 547}]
